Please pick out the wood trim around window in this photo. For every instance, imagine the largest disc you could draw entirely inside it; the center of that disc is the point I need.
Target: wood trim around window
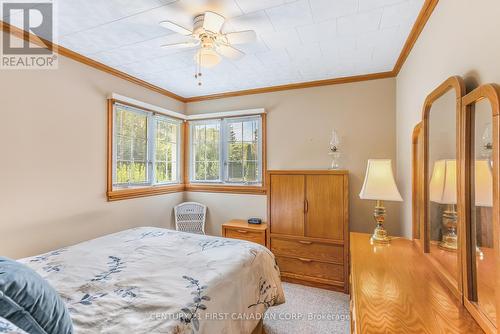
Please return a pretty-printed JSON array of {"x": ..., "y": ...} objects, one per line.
[
  {"x": 227, "y": 188},
  {"x": 126, "y": 193},
  {"x": 184, "y": 185}
]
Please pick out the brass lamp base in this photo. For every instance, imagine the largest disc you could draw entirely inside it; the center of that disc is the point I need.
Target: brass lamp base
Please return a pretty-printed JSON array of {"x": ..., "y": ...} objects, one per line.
[
  {"x": 449, "y": 239},
  {"x": 449, "y": 242},
  {"x": 380, "y": 234}
]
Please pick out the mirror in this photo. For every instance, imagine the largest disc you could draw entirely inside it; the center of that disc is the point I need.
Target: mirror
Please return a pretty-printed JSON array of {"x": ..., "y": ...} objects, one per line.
[
  {"x": 481, "y": 204},
  {"x": 442, "y": 185}
]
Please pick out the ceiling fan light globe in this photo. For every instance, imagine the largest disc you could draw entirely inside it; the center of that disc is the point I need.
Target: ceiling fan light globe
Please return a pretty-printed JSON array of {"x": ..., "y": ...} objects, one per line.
[{"x": 207, "y": 57}]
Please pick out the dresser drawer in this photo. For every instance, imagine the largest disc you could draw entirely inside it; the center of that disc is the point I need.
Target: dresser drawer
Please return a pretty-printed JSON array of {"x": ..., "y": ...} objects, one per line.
[
  {"x": 308, "y": 249},
  {"x": 257, "y": 237},
  {"x": 311, "y": 268}
]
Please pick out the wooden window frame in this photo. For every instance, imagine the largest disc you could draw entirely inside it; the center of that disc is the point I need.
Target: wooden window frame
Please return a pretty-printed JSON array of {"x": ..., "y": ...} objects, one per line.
[
  {"x": 184, "y": 183},
  {"x": 226, "y": 188},
  {"x": 125, "y": 193}
]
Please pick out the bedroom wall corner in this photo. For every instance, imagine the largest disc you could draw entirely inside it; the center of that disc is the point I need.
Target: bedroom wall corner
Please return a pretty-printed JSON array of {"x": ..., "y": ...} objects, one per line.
[{"x": 460, "y": 38}]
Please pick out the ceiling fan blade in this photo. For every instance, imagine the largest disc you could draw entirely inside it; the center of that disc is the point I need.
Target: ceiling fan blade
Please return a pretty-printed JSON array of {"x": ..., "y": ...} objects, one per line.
[
  {"x": 181, "y": 45},
  {"x": 175, "y": 28},
  {"x": 229, "y": 52},
  {"x": 213, "y": 22},
  {"x": 241, "y": 37}
]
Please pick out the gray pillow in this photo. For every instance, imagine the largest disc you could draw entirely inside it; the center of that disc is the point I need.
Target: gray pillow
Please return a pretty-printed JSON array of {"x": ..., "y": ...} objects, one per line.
[{"x": 29, "y": 302}]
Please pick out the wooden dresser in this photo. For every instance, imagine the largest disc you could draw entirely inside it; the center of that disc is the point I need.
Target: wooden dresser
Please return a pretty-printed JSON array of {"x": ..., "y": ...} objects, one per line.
[
  {"x": 395, "y": 290},
  {"x": 241, "y": 229},
  {"x": 308, "y": 218}
]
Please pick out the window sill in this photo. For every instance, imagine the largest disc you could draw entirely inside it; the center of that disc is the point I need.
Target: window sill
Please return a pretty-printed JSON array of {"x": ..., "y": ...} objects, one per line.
[
  {"x": 224, "y": 188},
  {"x": 126, "y": 193}
]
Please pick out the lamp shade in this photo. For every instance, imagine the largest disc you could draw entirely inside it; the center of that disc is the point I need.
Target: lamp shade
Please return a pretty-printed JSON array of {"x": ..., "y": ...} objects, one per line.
[
  {"x": 443, "y": 184},
  {"x": 379, "y": 182},
  {"x": 207, "y": 57},
  {"x": 483, "y": 183}
]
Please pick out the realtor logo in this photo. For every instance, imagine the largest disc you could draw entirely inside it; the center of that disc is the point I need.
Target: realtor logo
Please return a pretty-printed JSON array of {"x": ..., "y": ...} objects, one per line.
[{"x": 36, "y": 19}]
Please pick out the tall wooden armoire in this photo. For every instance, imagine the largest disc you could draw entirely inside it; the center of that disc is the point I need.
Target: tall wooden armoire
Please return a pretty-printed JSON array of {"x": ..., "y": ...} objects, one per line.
[{"x": 309, "y": 234}]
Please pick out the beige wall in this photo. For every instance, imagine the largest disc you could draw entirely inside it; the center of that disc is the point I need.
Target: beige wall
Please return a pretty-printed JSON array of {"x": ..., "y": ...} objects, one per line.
[
  {"x": 461, "y": 38},
  {"x": 298, "y": 132},
  {"x": 53, "y": 160},
  {"x": 224, "y": 207}
]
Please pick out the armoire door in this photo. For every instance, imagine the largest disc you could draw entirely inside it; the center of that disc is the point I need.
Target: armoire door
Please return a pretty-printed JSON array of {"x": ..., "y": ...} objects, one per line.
[
  {"x": 325, "y": 207},
  {"x": 287, "y": 204}
]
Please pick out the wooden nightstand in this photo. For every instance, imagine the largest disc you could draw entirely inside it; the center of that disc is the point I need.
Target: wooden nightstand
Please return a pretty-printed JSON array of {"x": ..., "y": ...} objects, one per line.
[{"x": 240, "y": 229}]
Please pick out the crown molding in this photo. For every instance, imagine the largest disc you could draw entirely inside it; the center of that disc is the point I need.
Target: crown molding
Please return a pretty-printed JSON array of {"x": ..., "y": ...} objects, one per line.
[
  {"x": 418, "y": 26},
  {"x": 308, "y": 84}
]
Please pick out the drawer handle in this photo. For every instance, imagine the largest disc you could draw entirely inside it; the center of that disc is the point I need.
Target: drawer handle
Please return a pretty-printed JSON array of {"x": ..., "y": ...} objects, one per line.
[
  {"x": 242, "y": 231},
  {"x": 304, "y": 260},
  {"x": 305, "y": 242}
]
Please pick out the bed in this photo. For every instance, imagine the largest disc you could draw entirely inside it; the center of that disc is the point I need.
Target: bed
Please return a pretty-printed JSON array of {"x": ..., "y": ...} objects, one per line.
[{"x": 153, "y": 280}]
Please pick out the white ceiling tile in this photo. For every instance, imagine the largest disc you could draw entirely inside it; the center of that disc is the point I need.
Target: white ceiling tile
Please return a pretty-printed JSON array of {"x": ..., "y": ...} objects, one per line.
[
  {"x": 389, "y": 52},
  {"x": 141, "y": 51},
  {"x": 291, "y": 15},
  {"x": 329, "y": 9},
  {"x": 298, "y": 40},
  {"x": 319, "y": 32},
  {"x": 372, "y": 4},
  {"x": 257, "y": 21},
  {"x": 281, "y": 39},
  {"x": 304, "y": 53},
  {"x": 359, "y": 23},
  {"x": 226, "y": 8},
  {"x": 249, "y": 63},
  {"x": 79, "y": 15},
  {"x": 384, "y": 38},
  {"x": 402, "y": 14},
  {"x": 333, "y": 48},
  {"x": 130, "y": 30},
  {"x": 252, "y": 48},
  {"x": 249, "y": 6},
  {"x": 273, "y": 57}
]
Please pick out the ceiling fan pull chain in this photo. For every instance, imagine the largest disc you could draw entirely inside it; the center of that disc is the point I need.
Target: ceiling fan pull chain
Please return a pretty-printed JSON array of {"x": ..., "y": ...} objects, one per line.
[{"x": 197, "y": 74}]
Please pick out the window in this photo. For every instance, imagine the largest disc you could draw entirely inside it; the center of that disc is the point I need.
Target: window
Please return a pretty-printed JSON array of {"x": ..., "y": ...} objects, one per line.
[
  {"x": 145, "y": 148},
  {"x": 227, "y": 151}
]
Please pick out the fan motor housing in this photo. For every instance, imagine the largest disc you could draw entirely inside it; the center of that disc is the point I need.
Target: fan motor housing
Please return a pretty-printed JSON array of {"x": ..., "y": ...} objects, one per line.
[{"x": 198, "y": 24}]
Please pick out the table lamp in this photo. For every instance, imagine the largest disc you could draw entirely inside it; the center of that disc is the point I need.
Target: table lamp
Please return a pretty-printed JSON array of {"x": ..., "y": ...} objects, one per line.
[
  {"x": 379, "y": 185},
  {"x": 443, "y": 190}
]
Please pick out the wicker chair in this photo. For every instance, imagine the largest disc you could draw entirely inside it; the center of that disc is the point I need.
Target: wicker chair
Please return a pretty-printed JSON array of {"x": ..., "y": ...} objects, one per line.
[{"x": 190, "y": 217}]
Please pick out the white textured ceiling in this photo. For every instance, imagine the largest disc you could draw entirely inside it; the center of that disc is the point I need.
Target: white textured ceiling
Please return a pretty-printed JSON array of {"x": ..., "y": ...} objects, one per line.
[{"x": 298, "y": 40}]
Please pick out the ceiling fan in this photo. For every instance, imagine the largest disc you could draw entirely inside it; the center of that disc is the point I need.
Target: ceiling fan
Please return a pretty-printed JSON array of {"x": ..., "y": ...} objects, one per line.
[{"x": 207, "y": 35}]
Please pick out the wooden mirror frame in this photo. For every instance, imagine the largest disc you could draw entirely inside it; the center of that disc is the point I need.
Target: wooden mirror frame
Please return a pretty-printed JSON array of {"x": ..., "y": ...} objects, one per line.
[
  {"x": 454, "y": 83},
  {"x": 417, "y": 139},
  {"x": 490, "y": 92}
]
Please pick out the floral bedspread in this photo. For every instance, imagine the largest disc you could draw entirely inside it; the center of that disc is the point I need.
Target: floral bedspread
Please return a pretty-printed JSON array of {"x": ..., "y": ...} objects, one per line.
[{"x": 152, "y": 280}]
